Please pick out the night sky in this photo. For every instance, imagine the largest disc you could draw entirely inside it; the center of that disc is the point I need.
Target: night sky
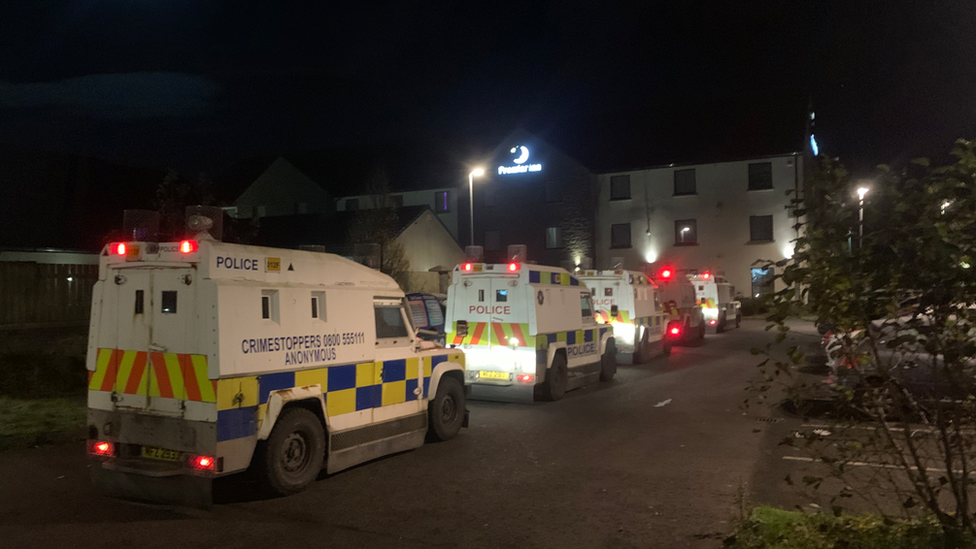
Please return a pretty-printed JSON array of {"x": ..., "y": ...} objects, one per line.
[{"x": 199, "y": 84}]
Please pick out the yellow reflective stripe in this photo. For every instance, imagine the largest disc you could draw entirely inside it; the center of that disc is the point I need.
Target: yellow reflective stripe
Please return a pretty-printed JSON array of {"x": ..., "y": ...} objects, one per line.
[
  {"x": 203, "y": 380},
  {"x": 341, "y": 402},
  {"x": 413, "y": 368},
  {"x": 228, "y": 389},
  {"x": 365, "y": 374},
  {"x": 307, "y": 378},
  {"x": 427, "y": 367},
  {"x": 175, "y": 375},
  {"x": 125, "y": 369},
  {"x": 394, "y": 392},
  {"x": 101, "y": 367}
]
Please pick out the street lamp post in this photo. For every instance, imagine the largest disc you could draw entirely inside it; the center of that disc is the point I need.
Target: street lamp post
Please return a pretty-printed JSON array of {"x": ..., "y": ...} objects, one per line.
[
  {"x": 476, "y": 172},
  {"x": 861, "y": 191}
]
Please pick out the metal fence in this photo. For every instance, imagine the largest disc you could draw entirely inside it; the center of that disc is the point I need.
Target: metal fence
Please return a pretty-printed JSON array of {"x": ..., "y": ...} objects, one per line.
[{"x": 37, "y": 294}]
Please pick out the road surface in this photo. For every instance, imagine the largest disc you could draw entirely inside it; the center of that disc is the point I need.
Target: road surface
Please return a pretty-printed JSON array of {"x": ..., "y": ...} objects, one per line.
[{"x": 656, "y": 458}]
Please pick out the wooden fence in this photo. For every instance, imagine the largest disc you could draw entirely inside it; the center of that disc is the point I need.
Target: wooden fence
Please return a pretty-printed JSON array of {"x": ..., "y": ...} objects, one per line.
[{"x": 38, "y": 294}]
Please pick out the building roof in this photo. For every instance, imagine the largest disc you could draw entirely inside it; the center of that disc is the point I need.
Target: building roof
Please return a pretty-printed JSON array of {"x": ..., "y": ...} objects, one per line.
[{"x": 329, "y": 230}]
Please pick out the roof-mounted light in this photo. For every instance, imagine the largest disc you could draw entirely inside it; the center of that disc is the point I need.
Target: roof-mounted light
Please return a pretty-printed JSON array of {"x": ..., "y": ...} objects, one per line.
[
  {"x": 513, "y": 267},
  {"x": 189, "y": 246}
]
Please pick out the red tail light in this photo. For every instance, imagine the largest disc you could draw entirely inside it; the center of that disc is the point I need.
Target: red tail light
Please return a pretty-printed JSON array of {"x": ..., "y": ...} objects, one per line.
[
  {"x": 466, "y": 267},
  {"x": 101, "y": 448},
  {"x": 675, "y": 331},
  {"x": 666, "y": 273},
  {"x": 712, "y": 322},
  {"x": 706, "y": 276},
  {"x": 118, "y": 248},
  {"x": 512, "y": 267},
  {"x": 189, "y": 246},
  {"x": 525, "y": 378},
  {"x": 202, "y": 463}
]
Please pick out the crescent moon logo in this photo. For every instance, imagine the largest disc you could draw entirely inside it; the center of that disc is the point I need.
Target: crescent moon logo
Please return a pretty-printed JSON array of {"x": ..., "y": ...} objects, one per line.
[{"x": 523, "y": 154}]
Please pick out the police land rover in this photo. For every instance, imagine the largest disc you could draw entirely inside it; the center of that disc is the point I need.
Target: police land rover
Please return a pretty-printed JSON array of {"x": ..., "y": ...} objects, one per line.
[
  {"x": 207, "y": 358},
  {"x": 528, "y": 331}
]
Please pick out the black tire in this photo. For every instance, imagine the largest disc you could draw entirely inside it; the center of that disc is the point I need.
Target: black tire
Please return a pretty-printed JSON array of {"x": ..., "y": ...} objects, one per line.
[
  {"x": 608, "y": 362},
  {"x": 446, "y": 413},
  {"x": 292, "y": 456},
  {"x": 720, "y": 325},
  {"x": 666, "y": 346},
  {"x": 738, "y": 320},
  {"x": 701, "y": 329},
  {"x": 554, "y": 387}
]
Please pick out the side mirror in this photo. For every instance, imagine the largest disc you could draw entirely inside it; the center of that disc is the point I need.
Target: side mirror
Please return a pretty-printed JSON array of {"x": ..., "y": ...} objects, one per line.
[
  {"x": 614, "y": 311},
  {"x": 462, "y": 328}
]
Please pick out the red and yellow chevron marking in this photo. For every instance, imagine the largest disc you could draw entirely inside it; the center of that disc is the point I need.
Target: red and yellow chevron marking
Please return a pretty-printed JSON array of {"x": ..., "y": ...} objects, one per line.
[
  {"x": 707, "y": 302},
  {"x": 603, "y": 317},
  {"x": 167, "y": 375},
  {"x": 493, "y": 333}
]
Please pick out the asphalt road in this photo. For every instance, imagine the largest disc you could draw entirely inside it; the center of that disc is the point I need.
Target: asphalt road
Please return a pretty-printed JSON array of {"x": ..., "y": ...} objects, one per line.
[{"x": 656, "y": 458}]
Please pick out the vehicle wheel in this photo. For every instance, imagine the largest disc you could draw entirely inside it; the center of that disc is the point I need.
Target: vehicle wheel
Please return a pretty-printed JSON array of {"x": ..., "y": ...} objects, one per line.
[
  {"x": 738, "y": 320},
  {"x": 720, "y": 325},
  {"x": 666, "y": 346},
  {"x": 608, "y": 362},
  {"x": 701, "y": 329},
  {"x": 446, "y": 412},
  {"x": 292, "y": 456},
  {"x": 556, "y": 379}
]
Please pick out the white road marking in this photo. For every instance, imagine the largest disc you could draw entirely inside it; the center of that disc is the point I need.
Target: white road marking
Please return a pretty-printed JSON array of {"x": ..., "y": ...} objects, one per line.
[
  {"x": 875, "y": 465},
  {"x": 663, "y": 403}
]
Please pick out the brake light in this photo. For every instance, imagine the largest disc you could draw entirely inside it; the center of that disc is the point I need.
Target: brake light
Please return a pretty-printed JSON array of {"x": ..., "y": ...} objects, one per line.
[
  {"x": 188, "y": 246},
  {"x": 466, "y": 267},
  {"x": 512, "y": 267},
  {"x": 525, "y": 378},
  {"x": 666, "y": 273},
  {"x": 101, "y": 448},
  {"x": 712, "y": 322},
  {"x": 118, "y": 248},
  {"x": 202, "y": 463},
  {"x": 675, "y": 330},
  {"x": 706, "y": 276}
]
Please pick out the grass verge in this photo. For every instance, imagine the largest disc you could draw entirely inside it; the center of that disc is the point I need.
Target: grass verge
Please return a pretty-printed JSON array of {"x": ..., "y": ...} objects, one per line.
[
  {"x": 26, "y": 423},
  {"x": 771, "y": 528}
]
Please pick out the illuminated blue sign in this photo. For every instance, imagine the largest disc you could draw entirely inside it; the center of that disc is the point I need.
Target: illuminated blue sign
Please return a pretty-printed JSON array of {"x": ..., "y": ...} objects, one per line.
[
  {"x": 521, "y": 153},
  {"x": 813, "y": 145}
]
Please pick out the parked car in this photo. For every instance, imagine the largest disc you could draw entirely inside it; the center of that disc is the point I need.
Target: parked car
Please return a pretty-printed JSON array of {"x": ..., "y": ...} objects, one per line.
[{"x": 427, "y": 312}]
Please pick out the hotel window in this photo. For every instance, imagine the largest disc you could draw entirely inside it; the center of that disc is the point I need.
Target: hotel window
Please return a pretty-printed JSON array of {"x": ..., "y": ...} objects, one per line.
[
  {"x": 684, "y": 182},
  {"x": 685, "y": 232},
  {"x": 620, "y": 187},
  {"x": 620, "y": 235},
  {"x": 554, "y": 237},
  {"x": 442, "y": 201},
  {"x": 760, "y": 176},
  {"x": 493, "y": 241},
  {"x": 761, "y": 228}
]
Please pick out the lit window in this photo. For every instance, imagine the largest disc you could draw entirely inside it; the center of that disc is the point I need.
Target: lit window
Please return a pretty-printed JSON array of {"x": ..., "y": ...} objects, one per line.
[
  {"x": 442, "y": 201},
  {"x": 554, "y": 237},
  {"x": 685, "y": 232}
]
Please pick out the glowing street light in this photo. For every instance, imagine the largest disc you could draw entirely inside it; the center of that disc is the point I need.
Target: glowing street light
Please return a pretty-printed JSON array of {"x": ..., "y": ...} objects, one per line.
[
  {"x": 861, "y": 191},
  {"x": 477, "y": 172}
]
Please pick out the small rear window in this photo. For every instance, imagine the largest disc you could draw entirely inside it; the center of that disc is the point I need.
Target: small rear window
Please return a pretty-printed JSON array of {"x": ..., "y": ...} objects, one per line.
[
  {"x": 418, "y": 314},
  {"x": 608, "y": 292},
  {"x": 434, "y": 312},
  {"x": 169, "y": 302}
]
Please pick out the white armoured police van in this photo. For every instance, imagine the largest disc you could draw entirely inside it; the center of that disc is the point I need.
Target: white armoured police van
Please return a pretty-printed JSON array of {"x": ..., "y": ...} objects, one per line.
[
  {"x": 527, "y": 331},
  {"x": 629, "y": 302},
  {"x": 206, "y": 358},
  {"x": 717, "y": 299},
  {"x": 686, "y": 320}
]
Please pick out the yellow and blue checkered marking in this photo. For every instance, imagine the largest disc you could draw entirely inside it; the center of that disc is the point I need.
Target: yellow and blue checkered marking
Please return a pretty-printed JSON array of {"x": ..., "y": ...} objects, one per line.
[
  {"x": 555, "y": 279},
  {"x": 347, "y": 388}
]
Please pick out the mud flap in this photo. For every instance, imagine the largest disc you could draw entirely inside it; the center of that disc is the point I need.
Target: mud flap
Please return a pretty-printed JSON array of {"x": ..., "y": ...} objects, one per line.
[{"x": 168, "y": 489}]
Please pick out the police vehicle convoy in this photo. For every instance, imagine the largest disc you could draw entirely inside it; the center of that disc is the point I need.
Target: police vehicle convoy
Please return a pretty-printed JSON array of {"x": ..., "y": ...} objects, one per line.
[
  {"x": 630, "y": 303},
  {"x": 207, "y": 358},
  {"x": 717, "y": 298},
  {"x": 686, "y": 320},
  {"x": 527, "y": 331}
]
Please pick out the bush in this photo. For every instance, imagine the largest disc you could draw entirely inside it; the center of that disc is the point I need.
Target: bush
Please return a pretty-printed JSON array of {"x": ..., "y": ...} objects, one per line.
[
  {"x": 756, "y": 305},
  {"x": 42, "y": 375},
  {"x": 771, "y": 528}
]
